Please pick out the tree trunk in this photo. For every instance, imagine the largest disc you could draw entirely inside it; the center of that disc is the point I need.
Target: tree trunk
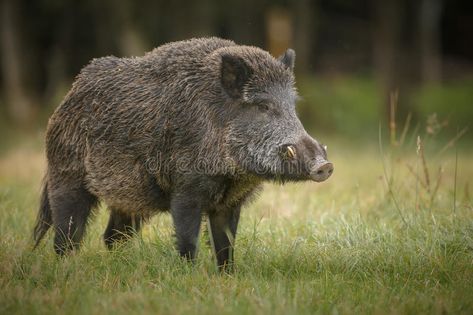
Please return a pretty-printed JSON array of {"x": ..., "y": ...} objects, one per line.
[
  {"x": 304, "y": 33},
  {"x": 19, "y": 107},
  {"x": 278, "y": 30},
  {"x": 431, "y": 61},
  {"x": 245, "y": 21},
  {"x": 387, "y": 39}
]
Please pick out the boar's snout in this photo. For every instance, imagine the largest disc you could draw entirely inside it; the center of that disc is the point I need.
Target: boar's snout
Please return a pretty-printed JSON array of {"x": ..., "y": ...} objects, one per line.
[
  {"x": 321, "y": 170},
  {"x": 311, "y": 157}
]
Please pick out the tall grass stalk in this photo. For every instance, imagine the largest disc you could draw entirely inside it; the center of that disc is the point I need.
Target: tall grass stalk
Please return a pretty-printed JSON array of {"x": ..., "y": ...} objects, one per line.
[
  {"x": 455, "y": 183},
  {"x": 393, "y": 100},
  {"x": 388, "y": 180}
]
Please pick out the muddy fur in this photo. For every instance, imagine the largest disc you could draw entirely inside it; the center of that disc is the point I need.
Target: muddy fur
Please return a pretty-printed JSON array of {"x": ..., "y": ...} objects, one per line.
[{"x": 192, "y": 127}]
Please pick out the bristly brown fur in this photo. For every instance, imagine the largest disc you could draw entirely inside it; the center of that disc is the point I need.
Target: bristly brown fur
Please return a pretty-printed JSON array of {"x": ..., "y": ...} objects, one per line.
[{"x": 125, "y": 131}]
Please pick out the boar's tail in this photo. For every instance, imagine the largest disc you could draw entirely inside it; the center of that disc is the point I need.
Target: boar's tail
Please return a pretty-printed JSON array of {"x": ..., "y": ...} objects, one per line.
[{"x": 44, "y": 218}]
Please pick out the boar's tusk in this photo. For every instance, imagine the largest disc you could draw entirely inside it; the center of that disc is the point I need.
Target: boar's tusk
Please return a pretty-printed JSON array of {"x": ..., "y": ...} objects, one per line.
[{"x": 291, "y": 152}]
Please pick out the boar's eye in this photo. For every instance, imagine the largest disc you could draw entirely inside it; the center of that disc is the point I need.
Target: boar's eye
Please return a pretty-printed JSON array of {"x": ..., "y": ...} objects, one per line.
[{"x": 263, "y": 106}]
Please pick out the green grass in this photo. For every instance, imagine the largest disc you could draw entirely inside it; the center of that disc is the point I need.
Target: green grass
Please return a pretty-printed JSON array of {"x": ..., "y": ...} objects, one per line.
[{"x": 337, "y": 247}]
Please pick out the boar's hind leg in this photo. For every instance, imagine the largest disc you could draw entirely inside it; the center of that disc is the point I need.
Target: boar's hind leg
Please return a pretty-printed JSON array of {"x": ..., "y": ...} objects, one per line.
[
  {"x": 186, "y": 215},
  {"x": 223, "y": 225},
  {"x": 71, "y": 207},
  {"x": 121, "y": 226}
]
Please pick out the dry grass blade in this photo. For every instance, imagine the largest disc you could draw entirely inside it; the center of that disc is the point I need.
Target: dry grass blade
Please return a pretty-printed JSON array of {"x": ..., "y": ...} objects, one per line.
[
  {"x": 413, "y": 137},
  {"x": 388, "y": 181},
  {"x": 452, "y": 142},
  {"x": 455, "y": 184},
  {"x": 393, "y": 99},
  {"x": 418, "y": 178},
  {"x": 436, "y": 188},
  {"x": 421, "y": 153},
  {"x": 467, "y": 197},
  {"x": 417, "y": 174},
  {"x": 405, "y": 129},
  {"x": 211, "y": 239}
]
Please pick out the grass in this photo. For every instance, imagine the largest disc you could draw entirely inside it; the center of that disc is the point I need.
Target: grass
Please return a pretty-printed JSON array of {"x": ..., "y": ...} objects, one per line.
[{"x": 339, "y": 247}]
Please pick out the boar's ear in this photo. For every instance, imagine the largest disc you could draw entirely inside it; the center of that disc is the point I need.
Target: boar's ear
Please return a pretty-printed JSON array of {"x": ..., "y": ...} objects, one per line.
[
  {"x": 288, "y": 59},
  {"x": 234, "y": 74}
]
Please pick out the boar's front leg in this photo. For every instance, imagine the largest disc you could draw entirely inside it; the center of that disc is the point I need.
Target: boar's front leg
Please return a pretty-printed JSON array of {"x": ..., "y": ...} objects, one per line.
[
  {"x": 223, "y": 225},
  {"x": 187, "y": 216}
]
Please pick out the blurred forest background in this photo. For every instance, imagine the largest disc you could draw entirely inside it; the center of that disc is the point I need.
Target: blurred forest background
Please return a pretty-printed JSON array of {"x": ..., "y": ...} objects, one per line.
[
  {"x": 391, "y": 232},
  {"x": 352, "y": 56}
]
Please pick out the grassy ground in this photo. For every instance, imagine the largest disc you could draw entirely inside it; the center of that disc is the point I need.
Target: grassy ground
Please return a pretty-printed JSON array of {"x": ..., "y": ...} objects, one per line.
[{"x": 344, "y": 246}]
